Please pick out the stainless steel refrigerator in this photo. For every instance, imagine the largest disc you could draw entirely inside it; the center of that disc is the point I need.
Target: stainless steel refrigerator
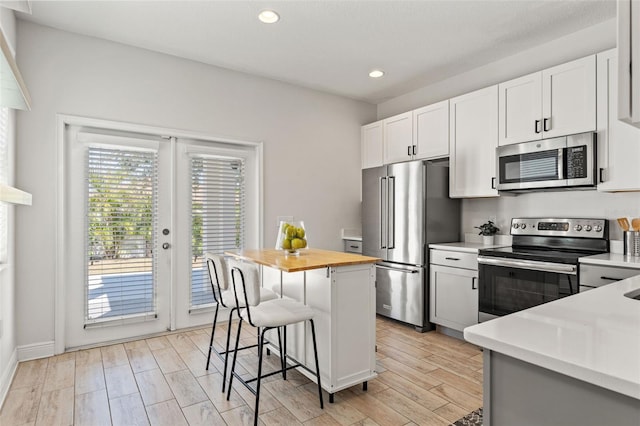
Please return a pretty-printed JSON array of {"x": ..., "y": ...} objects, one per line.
[{"x": 405, "y": 207}]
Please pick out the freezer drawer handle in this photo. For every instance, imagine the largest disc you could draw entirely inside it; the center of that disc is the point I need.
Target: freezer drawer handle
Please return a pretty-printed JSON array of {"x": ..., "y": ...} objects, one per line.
[{"x": 409, "y": 271}]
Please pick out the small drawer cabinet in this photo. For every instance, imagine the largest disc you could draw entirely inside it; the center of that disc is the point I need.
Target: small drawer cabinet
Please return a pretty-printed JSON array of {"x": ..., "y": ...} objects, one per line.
[
  {"x": 353, "y": 246},
  {"x": 453, "y": 289}
]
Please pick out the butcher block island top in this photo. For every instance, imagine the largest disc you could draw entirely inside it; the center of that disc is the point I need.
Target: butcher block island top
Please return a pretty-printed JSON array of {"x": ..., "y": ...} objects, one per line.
[{"x": 306, "y": 260}]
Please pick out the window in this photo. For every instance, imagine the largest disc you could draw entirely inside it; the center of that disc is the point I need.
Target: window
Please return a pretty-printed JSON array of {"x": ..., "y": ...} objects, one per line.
[
  {"x": 217, "y": 216},
  {"x": 121, "y": 190}
]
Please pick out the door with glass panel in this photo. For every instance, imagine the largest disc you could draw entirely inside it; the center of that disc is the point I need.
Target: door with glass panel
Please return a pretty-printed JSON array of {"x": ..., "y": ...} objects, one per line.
[
  {"x": 117, "y": 234},
  {"x": 211, "y": 192},
  {"x": 140, "y": 211}
]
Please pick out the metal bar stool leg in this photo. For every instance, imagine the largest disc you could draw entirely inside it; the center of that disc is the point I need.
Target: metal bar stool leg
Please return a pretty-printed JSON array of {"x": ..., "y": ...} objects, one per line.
[
  {"x": 284, "y": 351},
  {"x": 226, "y": 350},
  {"x": 213, "y": 330},
  {"x": 315, "y": 353},
  {"x": 255, "y": 411},
  {"x": 282, "y": 358},
  {"x": 235, "y": 355}
]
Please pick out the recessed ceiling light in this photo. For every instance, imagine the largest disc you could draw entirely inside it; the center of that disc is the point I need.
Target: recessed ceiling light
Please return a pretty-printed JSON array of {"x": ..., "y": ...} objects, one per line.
[
  {"x": 269, "y": 17},
  {"x": 376, "y": 73}
]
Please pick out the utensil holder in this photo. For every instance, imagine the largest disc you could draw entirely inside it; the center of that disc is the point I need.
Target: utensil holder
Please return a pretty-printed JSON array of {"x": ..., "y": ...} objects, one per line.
[{"x": 632, "y": 243}]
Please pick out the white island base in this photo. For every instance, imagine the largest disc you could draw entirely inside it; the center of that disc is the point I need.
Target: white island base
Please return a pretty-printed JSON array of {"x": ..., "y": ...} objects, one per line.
[{"x": 343, "y": 299}]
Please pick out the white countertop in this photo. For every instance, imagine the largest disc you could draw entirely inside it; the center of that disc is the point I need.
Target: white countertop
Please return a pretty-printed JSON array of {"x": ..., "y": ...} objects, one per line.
[
  {"x": 612, "y": 259},
  {"x": 592, "y": 336},
  {"x": 465, "y": 247}
]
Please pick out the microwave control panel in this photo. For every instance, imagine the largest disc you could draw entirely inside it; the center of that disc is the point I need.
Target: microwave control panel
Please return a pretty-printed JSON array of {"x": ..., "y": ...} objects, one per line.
[
  {"x": 580, "y": 228},
  {"x": 576, "y": 162}
]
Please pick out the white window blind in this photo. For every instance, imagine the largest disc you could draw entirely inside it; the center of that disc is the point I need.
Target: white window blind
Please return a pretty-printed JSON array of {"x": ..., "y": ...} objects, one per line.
[
  {"x": 217, "y": 216},
  {"x": 121, "y": 194}
]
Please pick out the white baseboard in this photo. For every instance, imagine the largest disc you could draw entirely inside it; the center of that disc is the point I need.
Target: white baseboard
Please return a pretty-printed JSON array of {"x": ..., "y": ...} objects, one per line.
[
  {"x": 7, "y": 376},
  {"x": 35, "y": 350}
]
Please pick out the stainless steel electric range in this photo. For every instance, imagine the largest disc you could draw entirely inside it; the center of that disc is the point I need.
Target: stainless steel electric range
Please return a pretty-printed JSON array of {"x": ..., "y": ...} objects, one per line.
[{"x": 540, "y": 266}]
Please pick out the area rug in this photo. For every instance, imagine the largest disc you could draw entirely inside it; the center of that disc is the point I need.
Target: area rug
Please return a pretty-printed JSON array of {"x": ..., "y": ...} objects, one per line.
[{"x": 472, "y": 419}]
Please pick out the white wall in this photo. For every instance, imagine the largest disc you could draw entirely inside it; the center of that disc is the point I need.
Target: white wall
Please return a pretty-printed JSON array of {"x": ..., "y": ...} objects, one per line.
[
  {"x": 573, "y": 46},
  {"x": 311, "y": 141},
  {"x": 7, "y": 278},
  {"x": 569, "y": 203}
]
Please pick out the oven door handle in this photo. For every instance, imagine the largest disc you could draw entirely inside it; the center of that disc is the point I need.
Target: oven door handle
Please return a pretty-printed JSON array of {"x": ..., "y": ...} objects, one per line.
[{"x": 559, "y": 268}]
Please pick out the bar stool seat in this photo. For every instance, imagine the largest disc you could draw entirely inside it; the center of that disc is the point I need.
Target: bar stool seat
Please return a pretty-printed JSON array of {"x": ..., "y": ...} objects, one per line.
[
  {"x": 265, "y": 316},
  {"x": 223, "y": 295}
]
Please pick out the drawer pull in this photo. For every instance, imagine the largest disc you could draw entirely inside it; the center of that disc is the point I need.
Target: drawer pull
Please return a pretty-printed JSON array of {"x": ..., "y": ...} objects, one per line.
[
  {"x": 611, "y": 279},
  {"x": 451, "y": 258},
  {"x": 354, "y": 247}
]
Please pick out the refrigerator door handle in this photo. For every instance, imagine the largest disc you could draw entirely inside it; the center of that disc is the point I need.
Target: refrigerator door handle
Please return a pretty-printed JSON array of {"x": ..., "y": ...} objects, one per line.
[
  {"x": 391, "y": 219},
  {"x": 383, "y": 212}
]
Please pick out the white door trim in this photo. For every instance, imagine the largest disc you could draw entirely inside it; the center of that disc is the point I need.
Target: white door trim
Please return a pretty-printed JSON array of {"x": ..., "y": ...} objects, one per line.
[{"x": 63, "y": 120}]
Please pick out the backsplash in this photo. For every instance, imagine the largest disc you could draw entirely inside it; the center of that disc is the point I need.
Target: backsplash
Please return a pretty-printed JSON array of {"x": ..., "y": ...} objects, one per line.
[{"x": 577, "y": 204}]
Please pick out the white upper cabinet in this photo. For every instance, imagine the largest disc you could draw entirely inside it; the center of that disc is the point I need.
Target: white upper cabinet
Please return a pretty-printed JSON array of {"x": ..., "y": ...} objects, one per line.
[
  {"x": 398, "y": 138},
  {"x": 569, "y": 98},
  {"x": 371, "y": 141},
  {"x": 618, "y": 142},
  {"x": 431, "y": 131},
  {"x": 473, "y": 142},
  {"x": 520, "y": 109},
  {"x": 555, "y": 102}
]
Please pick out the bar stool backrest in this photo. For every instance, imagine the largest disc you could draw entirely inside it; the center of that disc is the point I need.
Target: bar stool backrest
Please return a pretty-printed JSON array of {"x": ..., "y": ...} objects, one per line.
[
  {"x": 218, "y": 275},
  {"x": 246, "y": 282}
]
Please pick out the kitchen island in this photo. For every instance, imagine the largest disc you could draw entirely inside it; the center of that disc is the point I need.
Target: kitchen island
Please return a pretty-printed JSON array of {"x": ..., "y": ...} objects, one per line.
[
  {"x": 573, "y": 361},
  {"x": 340, "y": 288}
]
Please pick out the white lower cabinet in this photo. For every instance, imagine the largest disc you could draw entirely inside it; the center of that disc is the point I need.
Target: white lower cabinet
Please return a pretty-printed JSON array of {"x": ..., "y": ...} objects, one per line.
[{"x": 453, "y": 291}]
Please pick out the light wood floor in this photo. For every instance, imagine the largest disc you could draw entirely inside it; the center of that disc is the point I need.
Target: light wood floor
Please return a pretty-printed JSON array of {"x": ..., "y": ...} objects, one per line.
[{"x": 427, "y": 379}]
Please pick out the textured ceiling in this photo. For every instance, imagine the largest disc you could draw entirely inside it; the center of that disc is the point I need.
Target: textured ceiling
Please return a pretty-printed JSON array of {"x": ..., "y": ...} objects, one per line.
[{"x": 332, "y": 45}]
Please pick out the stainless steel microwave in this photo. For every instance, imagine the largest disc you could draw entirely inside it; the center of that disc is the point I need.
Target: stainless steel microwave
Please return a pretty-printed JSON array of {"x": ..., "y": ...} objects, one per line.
[{"x": 564, "y": 162}]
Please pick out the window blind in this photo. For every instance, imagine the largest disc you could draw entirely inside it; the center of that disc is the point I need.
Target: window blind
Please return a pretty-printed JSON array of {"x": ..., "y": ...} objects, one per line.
[
  {"x": 121, "y": 195},
  {"x": 217, "y": 216}
]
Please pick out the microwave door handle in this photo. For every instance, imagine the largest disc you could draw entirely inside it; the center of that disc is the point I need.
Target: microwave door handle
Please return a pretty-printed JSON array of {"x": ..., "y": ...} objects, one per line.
[
  {"x": 561, "y": 163},
  {"x": 383, "y": 212}
]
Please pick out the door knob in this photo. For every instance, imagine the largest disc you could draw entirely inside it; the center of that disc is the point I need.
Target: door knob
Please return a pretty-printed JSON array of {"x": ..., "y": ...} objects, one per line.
[{"x": 166, "y": 246}]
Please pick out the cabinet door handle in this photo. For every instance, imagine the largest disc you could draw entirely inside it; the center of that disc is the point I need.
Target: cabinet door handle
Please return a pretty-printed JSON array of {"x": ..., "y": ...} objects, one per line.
[
  {"x": 537, "y": 127},
  {"x": 611, "y": 279},
  {"x": 601, "y": 177},
  {"x": 409, "y": 150},
  {"x": 493, "y": 183},
  {"x": 473, "y": 283},
  {"x": 545, "y": 127},
  {"x": 414, "y": 149}
]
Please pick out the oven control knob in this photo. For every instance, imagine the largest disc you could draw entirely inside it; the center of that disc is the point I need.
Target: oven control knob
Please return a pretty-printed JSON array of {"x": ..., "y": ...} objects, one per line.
[
  {"x": 578, "y": 228},
  {"x": 597, "y": 228},
  {"x": 524, "y": 225},
  {"x": 516, "y": 225},
  {"x": 587, "y": 228}
]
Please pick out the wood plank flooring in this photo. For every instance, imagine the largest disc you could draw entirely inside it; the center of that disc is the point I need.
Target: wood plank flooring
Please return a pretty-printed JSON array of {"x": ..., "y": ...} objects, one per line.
[{"x": 425, "y": 379}]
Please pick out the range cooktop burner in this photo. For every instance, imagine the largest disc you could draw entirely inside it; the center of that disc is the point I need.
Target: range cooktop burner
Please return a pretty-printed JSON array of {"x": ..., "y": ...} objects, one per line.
[{"x": 554, "y": 240}]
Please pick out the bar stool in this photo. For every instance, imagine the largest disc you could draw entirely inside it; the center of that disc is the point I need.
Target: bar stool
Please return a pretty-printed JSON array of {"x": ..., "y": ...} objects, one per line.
[
  {"x": 224, "y": 296},
  {"x": 265, "y": 316}
]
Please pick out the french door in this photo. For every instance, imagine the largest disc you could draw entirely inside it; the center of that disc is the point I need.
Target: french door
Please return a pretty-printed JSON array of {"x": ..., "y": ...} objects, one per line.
[{"x": 140, "y": 211}]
